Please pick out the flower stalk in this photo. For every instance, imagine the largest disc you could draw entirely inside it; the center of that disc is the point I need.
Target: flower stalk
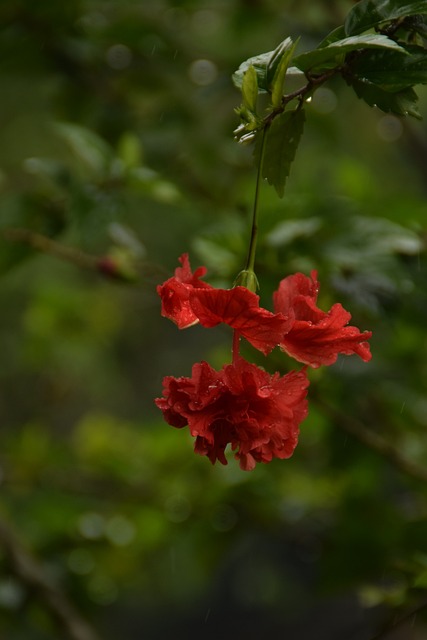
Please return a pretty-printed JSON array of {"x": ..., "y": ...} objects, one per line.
[{"x": 250, "y": 262}]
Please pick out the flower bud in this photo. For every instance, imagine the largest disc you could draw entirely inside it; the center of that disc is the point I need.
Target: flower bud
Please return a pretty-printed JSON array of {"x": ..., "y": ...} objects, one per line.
[{"x": 248, "y": 279}]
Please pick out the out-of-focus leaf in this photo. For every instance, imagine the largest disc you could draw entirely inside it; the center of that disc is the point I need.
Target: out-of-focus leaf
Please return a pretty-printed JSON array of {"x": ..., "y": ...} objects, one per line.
[
  {"x": 281, "y": 142},
  {"x": 420, "y": 581},
  {"x": 87, "y": 146},
  {"x": 129, "y": 150},
  {"x": 50, "y": 172},
  {"x": 330, "y": 55},
  {"x": 369, "y": 13},
  {"x": 287, "y": 231},
  {"x": 374, "y": 236},
  {"x": 223, "y": 248},
  {"x": 127, "y": 238}
]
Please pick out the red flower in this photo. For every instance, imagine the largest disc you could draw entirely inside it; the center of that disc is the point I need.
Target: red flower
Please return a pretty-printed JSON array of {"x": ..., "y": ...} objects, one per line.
[
  {"x": 258, "y": 414},
  {"x": 175, "y": 293},
  {"x": 187, "y": 300},
  {"x": 316, "y": 338},
  {"x": 239, "y": 308}
]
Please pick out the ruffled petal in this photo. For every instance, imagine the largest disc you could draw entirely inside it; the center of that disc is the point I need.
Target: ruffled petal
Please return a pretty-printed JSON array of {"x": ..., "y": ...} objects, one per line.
[
  {"x": 241, "y": 405},
  {"x": 316, "y": 337},
  {"x": 175, "y": 293},
  {"x": 239, "y": 308}
]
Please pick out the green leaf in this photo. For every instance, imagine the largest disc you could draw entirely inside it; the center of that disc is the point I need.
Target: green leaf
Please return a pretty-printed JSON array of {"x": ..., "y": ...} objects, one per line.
[
  {"x": 401, "y": 103},
  {"x": 250, "y": 89},
  {"x": 260, "y": 64},
  {"x": 276, "y": 58},
  {"x": 332, "y": 54},
  {"x": 369, "y": 13},
  {"x": 281, "y": 143},
  {"x": 417, "y": 24},
  {"x": 333, "y": 36},
  {"x": 390, "y": 70},
  {"x": 87, "y": 146},
  {"x": 129, "y": 150},
  {"x": 279, "y": 66},
  {"x": 287, "y": 231},
  {"x": 295, "y": 73}
]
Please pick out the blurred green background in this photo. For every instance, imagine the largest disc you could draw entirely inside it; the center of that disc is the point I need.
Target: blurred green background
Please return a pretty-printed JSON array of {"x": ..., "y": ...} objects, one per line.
[{"x": 116, "y": 140}]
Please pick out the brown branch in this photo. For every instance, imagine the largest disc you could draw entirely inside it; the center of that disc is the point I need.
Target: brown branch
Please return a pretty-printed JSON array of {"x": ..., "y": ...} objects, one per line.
[
  {"x": 373, "y": 441},
  {"x": 47, "y": 245},
  {"x": 396, "y": 624},
  {"x": 31, "y": 573},
  {"x": 104, "y": 265}
]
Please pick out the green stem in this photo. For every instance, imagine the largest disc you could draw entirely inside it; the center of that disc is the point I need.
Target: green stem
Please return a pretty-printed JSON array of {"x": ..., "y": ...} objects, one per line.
[{"x": 250, "y": 262}]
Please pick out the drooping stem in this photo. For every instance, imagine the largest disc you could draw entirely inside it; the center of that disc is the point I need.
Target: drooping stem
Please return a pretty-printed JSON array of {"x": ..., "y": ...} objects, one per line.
[{"x": 250, "y": 262}]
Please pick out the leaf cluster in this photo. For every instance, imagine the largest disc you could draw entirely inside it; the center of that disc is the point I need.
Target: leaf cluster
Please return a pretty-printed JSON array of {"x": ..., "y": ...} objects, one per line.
[{"x": 379, "y": 51}]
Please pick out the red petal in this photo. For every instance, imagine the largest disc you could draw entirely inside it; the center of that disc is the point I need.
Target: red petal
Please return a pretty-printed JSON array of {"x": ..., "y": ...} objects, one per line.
[
  {"x": 316, "y": 338},
  {"x": 175, "y": 293},
  {"x": 241, "y": 405},
  {"x": 239, "y": 308},
  {"x": 290, "y": 289},
  {"x": 185, "y": 275}
]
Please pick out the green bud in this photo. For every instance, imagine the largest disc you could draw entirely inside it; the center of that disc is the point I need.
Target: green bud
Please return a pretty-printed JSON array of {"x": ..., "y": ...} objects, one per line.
[{"x": 248, "y": 279}]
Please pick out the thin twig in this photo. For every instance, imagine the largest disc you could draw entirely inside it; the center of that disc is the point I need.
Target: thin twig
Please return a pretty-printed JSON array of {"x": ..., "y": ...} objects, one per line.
[
  {"x": 382, "y": 635},
  {"x": 106, "y": 266},
  {"x": 373, "y": 441},
  {"x": 314, "y": 81},
  {"x": 32, "y": 574},
  {"x": 47, "y": 245}
]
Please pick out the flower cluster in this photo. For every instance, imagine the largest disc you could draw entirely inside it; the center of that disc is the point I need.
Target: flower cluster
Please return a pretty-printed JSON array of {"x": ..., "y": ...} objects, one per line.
[{"x": 258, "y": 414}]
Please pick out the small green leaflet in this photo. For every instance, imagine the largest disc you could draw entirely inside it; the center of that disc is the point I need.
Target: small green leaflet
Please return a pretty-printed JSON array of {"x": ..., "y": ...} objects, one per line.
[
  {"x": 369, "y": 13},
  {"x": 250, "y": 89},
  {"x": 279, "y": 70},
  {"x": 328, "y": 57},
  {"x": 280, "y": 145}
]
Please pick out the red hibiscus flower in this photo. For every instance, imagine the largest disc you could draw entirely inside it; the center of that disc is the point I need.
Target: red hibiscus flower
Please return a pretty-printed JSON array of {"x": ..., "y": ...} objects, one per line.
[
  {"x": 187, "y": 300},
  {"x": 316, "y": 337},
  {"x": 258, "y": 414},
  {"x": 239, "y": 308},
  {"x": 175, "y": 293}
]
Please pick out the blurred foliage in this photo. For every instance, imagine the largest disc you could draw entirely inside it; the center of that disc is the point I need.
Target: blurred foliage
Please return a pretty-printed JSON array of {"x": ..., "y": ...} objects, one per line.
[{"x": 117, "y": 121}]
